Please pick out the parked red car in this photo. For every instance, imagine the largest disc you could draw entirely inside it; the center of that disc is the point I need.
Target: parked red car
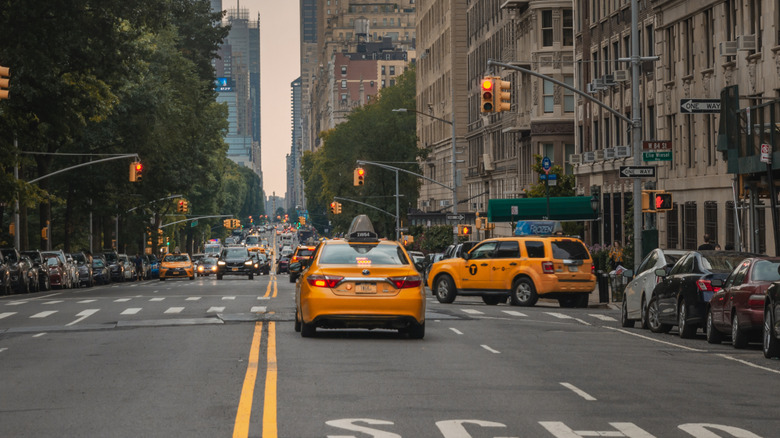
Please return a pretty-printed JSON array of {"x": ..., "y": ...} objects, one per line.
[
  {"x": 738, "y": 308},
  {"x": 58, "y": 274}
]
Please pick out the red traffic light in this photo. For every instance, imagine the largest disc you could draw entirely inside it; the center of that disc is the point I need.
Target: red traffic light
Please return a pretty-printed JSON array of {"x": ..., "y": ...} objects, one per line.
[
  {"x": 487, "y": 85},
  {"x": 361, "y": 172},
  {"x": 139, "y": 167}
]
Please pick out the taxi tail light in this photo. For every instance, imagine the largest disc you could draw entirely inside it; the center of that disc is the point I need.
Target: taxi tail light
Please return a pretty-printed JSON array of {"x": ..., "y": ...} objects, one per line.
[
  {"x": 547, "y": 268},
  {"x": 706, "y": 286},
  {"x": 329, "y": 281},
  {"x": 756, "y": 300},
  {"x": 592, "y": 269},
  {"x": 406, "y": 282},
  {"x": 294, "y": 259}
]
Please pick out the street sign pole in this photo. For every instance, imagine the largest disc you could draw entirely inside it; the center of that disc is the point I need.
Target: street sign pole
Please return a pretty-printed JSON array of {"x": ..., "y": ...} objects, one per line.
[{"x": 636, "y": 130}]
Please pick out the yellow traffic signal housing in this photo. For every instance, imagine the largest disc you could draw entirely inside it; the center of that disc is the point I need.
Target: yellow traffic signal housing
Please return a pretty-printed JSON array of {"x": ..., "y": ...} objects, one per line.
[
  {"x": 133, "y": 176},
  {"x": 139, "y": 171},
  {"x": 503, "y": 96},
  {"x": 646, "y": 201},
  {"x": 338, "y": 208},
  {"x": 333, "y": 207},
  {"x": 663, "y": 201},
  {"x": 465, "y": 230},
  {"x": 5, "y": 74},
  {"x": 487, "y": 95},
  {"x": 226, "y": 223},
  {"x": 186, "y": 206},
  {"x": 45, "y": 233},
  {"x": 359, "y": 176},
  {"x": 180, "y": 206}
]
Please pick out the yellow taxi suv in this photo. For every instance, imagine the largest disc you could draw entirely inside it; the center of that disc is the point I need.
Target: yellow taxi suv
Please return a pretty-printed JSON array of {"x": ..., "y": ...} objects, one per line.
[
  {"x": 360, "y": 282},
  {"x": 522, "y": 269},
  {"x": 176, "y": 266}
]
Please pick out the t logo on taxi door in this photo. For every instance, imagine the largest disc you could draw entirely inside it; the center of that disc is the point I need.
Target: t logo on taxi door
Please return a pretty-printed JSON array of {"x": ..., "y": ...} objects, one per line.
[{"x": 473, "y": 269}]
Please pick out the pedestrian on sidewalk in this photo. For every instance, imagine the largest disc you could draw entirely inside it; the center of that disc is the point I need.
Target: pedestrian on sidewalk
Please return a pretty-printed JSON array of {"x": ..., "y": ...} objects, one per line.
[
  {"x": 615, "y": 255},
  {"x": 139, "y": 267},
  {"x": 706, "y": 246}
]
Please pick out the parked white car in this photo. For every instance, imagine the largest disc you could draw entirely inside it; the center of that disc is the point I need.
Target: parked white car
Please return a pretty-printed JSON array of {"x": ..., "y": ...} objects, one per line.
[
  {"x": 129, "y": 272},
  {"x": 640, "y": 289}
]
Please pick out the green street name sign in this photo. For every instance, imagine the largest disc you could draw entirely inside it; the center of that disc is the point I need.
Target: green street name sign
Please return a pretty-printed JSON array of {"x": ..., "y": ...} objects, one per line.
[
  {"x": 657, "y": 156},
  {"x": 194, "y": 224}
]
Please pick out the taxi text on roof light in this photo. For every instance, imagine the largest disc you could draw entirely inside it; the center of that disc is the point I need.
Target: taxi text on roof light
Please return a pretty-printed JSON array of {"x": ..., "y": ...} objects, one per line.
[{"x": 362, "y": 230}]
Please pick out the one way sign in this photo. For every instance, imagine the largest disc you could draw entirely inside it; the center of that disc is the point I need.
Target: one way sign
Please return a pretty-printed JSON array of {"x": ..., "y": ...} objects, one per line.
[
  {"x": 637, "y": 171},
  {"x": 700, "y": 106}
]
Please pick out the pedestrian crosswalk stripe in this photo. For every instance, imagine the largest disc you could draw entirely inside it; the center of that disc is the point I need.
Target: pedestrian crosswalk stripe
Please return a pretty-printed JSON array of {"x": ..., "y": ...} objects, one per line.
[
  {"x": 15, "y": 303},
  {"x": 44, "y": 314},
  {"x": 602, "y": 317},
  {"x": 131, "y": 311},
  {"x": 473, "y": 312},
  {"x": 192, "y": 299},
  {"x": 86, "y": 301},
  {"x": 53, "y": 302},
  {"x": 122, "y": 300},
  {"x": 559, "y": 315},
  {"x": 157, "y": 299},
  {"x": 514, "y": 313},
  {"x": 174, "y": 310},
  {"x": 215, "y": 309},
  {"x": 259, "y": 309},
  {"x": 228, "y": 298},
  {"x": 6, "y": 314}
]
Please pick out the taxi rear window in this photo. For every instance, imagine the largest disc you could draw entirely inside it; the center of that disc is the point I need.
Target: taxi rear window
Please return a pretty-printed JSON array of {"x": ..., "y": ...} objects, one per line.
[
  {"x": 569, "y": 249},
  {"x": 362, "y": 255},
  {"x": 305, "y": 252}
]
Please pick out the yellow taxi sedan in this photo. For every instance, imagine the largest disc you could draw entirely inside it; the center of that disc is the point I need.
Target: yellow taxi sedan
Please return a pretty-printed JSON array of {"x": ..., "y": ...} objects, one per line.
[
  {"x": 176, "y": 266},
  {"x": 360, "y": 282}
]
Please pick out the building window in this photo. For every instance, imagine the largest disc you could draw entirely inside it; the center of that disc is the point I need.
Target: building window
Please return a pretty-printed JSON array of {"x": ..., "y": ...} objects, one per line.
[
  {"x": 568, "y": 95},
  {"x": 690, "y": 233},
  {"x": 343, "y": 69},
  {"x": 383, "y": 83},
  {"x": 711, "y": 220},
  {"x": 617, "y": 218},
  {"x": 343, "y": 96},
  {"x": 392, "y": 82},
  {"x": 383, "y": 70},
  {"x": 568, "y": 27},
  {"x": 343, "y": 83},
  {"x": 548, "y": 150},
  {"x": 392, "y": 70},
  {"x": 672, "y": 227},
  {"x": 547, "y": 28},
  {"x": 729, "y": 224},
  {"x": 549, "y": 98}
]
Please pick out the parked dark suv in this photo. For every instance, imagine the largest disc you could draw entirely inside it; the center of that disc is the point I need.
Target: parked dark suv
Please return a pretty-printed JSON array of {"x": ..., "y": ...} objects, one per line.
[
  {"x": 19, "y": 269},
  {"x": 235, "y": 260},
  {"x": 43, "y": 270}
]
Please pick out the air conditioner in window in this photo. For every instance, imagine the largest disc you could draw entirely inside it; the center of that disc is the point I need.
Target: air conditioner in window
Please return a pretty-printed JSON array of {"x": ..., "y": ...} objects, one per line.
[
  {"x": 488, "y": 162},
  {"x": 608, "y": 80},
  {"x": 426, "y": 203},
  {"x": 588, "y": 157},
  {"x": 444, "y": 203},
  {"x": 622, "y": 151},
  {"x": 609, "y": 153},
  {"x": 621, "y": 75},
  {"x": 728, "y": 48},
  {"x": 591, "y": 89},
  {"x": 598, "y": 154},
  {"x": 599, "y": 83},
  {"x": 575, "y": 159},
  {"x": 746, "y": 42}
]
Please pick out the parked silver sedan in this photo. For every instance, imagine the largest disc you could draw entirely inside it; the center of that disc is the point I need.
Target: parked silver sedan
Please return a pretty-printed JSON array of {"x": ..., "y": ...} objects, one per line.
[{"x": 640, "y": 289}]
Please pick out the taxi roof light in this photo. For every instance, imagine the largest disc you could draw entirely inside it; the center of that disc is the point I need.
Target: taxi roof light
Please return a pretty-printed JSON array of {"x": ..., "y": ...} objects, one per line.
[{"x": 362, "y": 230}]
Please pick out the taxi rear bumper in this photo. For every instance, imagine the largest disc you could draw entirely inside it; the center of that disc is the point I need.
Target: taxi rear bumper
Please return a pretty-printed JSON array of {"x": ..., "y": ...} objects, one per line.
[{"x": 326, "y": 309}]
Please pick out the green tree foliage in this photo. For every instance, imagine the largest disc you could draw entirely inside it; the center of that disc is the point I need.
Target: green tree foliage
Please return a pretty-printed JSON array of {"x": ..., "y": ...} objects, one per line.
[
  {"x": 115, "y": 77},
  {"x": 372, "y": 133}
]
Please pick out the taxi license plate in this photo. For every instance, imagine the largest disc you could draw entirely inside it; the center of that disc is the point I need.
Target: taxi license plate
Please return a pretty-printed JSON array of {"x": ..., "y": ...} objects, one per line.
[
  {"x": 365, "y": 288},
  {"x": 175, "y": 273},
  {"x": 235, "y": 269},
  {"x": 574, "y": 268}
]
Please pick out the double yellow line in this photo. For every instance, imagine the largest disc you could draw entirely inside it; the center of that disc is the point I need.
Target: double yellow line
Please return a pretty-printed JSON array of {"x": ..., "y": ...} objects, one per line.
[{"x": 243, "y": 416}]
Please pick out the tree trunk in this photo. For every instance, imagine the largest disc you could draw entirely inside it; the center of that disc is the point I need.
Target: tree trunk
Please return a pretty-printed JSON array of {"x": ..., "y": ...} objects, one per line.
[
  {"x": 68, "y": 218},
  {"x": 44, "y": 210}
]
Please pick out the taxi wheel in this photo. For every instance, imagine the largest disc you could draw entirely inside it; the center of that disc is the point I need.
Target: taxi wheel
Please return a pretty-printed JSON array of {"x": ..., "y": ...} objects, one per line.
[
  {"x": 219, "y": 277},
  {"x": 416, "y": 331},
  {"x": 445, "y": 289},
  {"x": 192, "y": 278},
  {"x": 293, "y": 278},
  {"x": 297, "y": 323},
  {"x": 770, "y": 344},
  {"x": 654, "y": 318},
  {"x": 524, "y": 293},
  {"x": 308, "y": 330}
]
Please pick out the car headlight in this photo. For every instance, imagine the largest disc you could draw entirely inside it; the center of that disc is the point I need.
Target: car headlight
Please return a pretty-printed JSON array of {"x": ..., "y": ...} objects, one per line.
[
  {"x": 248, "y": 262},
  {"x": 221, "y": 263},
  {"x": 200, "y": 268}
]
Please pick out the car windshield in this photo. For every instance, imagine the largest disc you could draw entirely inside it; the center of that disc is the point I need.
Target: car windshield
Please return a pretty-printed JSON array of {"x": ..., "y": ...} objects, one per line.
[
  {"x": 52, "y": 261},
  {"x": 766, "y": 270},
  {"x": 235, "y": 253},
  {"x": 363, "y": 255},
  {"x": 252, "y": 240},
  {"x": 176, "y": 258},
  {"x": 110, "y": 258},
  {"x": 671, "y": 258},
  {"x": 10, "y": 256},
  {"x": 80, "y": 258},
  {"x": 35, "y": 256},
  {"x": 98, "y": 263}
]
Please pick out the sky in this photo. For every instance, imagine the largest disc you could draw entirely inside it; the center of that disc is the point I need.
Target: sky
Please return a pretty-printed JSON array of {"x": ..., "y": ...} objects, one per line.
[{"x": 279, "y": 66}]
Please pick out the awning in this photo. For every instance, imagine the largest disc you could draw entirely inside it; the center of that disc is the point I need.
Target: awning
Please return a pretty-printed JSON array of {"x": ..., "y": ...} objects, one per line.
[{"x": 565, "y": 208}]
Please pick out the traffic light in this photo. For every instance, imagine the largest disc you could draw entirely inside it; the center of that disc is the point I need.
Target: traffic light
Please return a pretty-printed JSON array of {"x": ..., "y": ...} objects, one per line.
[
  {"x": 663, "y": 201},
  {"x": 5, "y": 74},
  {"x": 488, "y": 101},
  {"x": 45, "y": 231},
  {"x": 465, "y": 230},
  {"x": 12, "y": 229},
  {"x": 338, "y": 208},
  {"x": 646, "y": 202},
  {"x": 333, "y": 207},
  {"x": 226, "y": 223},
  {"x": 359, "y": 176},
  {"x": 186, "y": 206},
  {"x": 503, "y": 96},
  {"x": 138, "y": 171},
  {"x": 180, "y": 207}
]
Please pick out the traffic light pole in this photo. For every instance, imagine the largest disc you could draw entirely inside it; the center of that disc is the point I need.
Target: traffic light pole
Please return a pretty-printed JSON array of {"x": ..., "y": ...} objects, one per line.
[
  {"x": 366, "y": 205},
  {"x": 118, "y": 157},
  {"x": 194, "y": 219}
]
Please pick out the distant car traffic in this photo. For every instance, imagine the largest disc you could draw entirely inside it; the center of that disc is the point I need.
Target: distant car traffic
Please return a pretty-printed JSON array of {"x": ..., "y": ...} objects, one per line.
[
  {"x": 176, "y": 265},
  {"x": 302, "y": 256},
  {"x": 235, "y": 261},
  {"x": 207, "y": 266}
]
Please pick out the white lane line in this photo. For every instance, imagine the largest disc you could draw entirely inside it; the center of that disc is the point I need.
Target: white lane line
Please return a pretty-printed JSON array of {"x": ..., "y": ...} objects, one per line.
[
  {"x": 192, "y": 299},
  {"x": 157, "y": 299},
  {"x": 157, "y": 291},
  {"x": 655, "y": 340},
  {"x": 259, "y": 309},
  {"x": 602, "y": 317},
  {"x": 131, "y": 311},
  {"x": 174, "y": 310},
  {"x": 44, "y": 314},
  {"x": 84, "y": 314},
  {"x": 16, "y": 303},
  {"x": 53, "y": 302},
  {"x": 122, "y": 300},
  {"x": 744, "y": 362},
  {"x": 490, "y": 349},
  {"x": 228, "y": 298},
  {"x": 3, "y": 349},
  {"x": 456, "y": 331},
  {"x": 215, "y": 309},
  {"x": 472, "y": 312},
  {"x": 6, "y": 314},
  {"x": 86, "y": 301},
  {"x": 39, "y": 335},
  {"x": 514, "y": 313},
  {"x": 564, "y": 316},
  {"x": 578, "y": 391}
]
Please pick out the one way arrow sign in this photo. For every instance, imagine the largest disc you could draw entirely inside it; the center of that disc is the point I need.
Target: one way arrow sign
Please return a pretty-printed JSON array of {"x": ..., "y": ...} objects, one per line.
[{"x": 637, "y": 171}]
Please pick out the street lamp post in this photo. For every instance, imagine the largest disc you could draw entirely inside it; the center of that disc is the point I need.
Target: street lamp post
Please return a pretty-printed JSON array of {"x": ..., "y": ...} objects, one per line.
[{"x": 454, "y": 162}]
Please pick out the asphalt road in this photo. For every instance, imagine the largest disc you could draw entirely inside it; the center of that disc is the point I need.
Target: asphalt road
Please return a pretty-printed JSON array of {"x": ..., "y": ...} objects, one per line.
[{"x": 220, "y": 358}]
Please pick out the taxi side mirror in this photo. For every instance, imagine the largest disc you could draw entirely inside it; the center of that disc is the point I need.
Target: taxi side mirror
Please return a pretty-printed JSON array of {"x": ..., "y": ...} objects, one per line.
[
  {"x": 464, "y": 256},
  {"x": 295, "y": 267}
]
